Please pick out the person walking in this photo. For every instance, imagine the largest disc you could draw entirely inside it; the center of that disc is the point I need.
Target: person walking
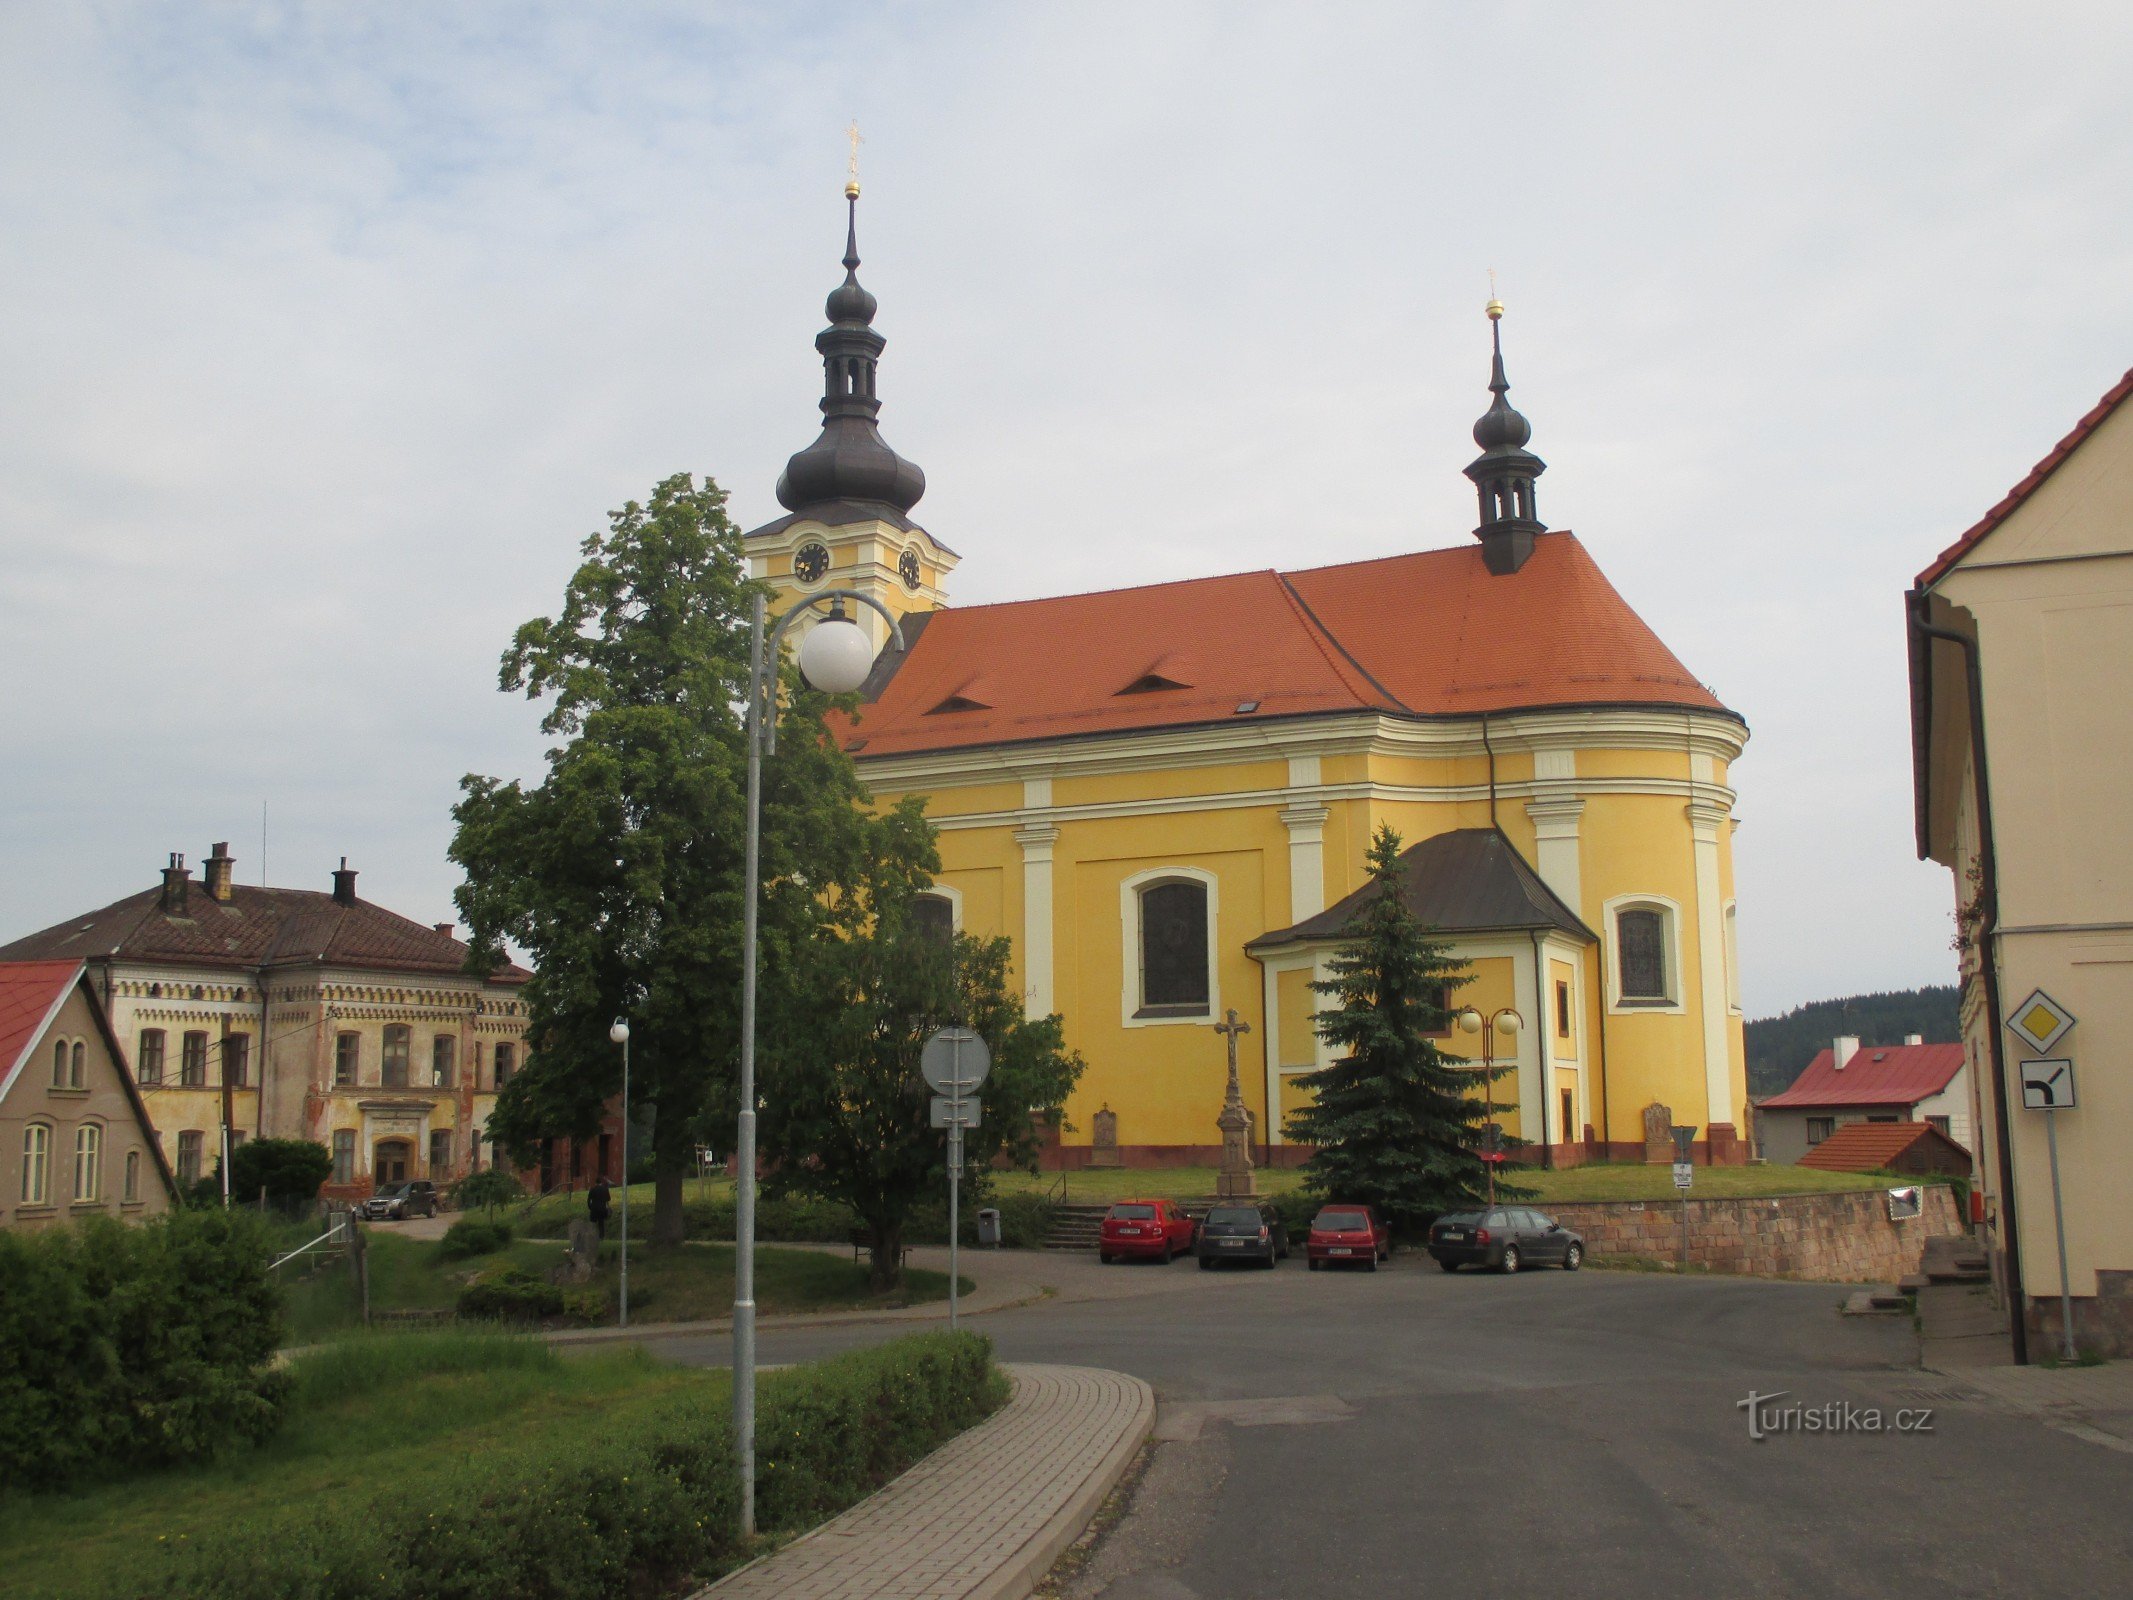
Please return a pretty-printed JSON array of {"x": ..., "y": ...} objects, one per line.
[{"x": 596, "y": 1201}]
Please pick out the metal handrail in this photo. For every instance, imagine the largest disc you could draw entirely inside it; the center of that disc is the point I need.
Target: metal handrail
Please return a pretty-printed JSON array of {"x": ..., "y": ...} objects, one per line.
[{"x": 338, "y": 1227}]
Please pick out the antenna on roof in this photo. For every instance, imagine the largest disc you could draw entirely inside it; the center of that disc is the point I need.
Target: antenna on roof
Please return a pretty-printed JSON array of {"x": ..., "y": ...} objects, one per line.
[{"x": 262, "y": 844}]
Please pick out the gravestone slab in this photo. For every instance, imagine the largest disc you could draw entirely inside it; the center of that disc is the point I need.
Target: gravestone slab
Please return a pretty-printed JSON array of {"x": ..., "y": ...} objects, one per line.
[
  {"x": 1103, "y": 1149},
  {"x": 1658, "y": 1135}
]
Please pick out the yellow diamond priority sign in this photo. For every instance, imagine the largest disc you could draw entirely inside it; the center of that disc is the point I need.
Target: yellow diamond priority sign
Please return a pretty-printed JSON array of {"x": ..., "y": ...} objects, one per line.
[{"x": 2040, "y": 1022}]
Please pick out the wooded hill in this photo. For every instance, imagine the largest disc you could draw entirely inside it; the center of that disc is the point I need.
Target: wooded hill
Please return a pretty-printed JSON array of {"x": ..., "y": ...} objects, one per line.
[{"x": 1779, "y": 1048}]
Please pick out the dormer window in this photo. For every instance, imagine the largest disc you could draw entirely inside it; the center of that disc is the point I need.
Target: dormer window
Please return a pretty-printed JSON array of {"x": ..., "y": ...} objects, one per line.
[{"x": 1167, "y": 671}]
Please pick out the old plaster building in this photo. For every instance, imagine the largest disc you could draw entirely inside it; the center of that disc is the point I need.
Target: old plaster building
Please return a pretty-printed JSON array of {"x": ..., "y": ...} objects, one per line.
[
  {"x": 1158, "y": 792},
  {"x": 75, "y": 1140},
  {"x": 2021, "y": 647},
  {"x": 295, "y": 1013}
]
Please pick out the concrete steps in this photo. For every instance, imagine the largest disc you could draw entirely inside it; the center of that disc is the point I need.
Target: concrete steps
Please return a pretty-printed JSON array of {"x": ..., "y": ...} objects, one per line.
[
  {"x": 1075, "y": 1227},
  {"x": 1954, "y": 1258}
]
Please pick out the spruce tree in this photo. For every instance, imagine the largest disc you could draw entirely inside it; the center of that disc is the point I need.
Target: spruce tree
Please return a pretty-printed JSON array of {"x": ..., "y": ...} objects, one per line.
[{"x": 1396, "y": 1121}]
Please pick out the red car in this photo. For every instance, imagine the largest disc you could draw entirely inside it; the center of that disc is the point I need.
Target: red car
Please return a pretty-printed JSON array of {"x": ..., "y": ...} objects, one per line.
[
  {"x": 1145, "y": 1228},
  {"x": 1342, "y": 1235}
]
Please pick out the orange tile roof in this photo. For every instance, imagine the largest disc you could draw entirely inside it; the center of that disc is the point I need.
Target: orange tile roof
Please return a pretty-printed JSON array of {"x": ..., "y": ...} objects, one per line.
[
  {"x": 1869, "y": 1146},
  {"x": 1975, "y": 534},
  {"x": 1429, "y": 634}
]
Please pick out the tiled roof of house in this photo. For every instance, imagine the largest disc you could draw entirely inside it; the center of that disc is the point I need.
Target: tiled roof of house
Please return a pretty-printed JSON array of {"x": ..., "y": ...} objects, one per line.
[
  {"x": 255, "y": 927},
  {"x": 29, "y": 993},
  {"x": 1470, "y": 880},
  {"x": 1874, "y": 1146},
  {"x": 1876, "y": 1075},
  {"x": 1975, "y": 534},
  {"x": 1428, "y": 634}
]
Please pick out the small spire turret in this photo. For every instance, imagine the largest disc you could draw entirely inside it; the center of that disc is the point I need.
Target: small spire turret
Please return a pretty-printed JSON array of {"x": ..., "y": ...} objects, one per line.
[{"x": 1505, "y": 471}]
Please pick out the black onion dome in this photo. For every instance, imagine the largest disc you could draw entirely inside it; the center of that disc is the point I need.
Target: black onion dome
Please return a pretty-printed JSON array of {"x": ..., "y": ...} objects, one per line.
[
  {"x": 1502, "y": 428},
  {"x": 850, "y": 461}
]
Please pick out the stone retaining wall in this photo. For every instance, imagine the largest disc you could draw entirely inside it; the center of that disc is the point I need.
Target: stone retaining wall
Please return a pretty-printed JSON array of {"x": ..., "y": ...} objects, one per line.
[{"x": 1827, "y": 1238}]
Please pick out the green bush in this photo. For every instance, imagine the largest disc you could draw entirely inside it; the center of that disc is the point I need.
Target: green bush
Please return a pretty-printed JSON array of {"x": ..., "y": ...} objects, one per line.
[
  {"x": 489, "y": 1188},
  {"x": 588, "y": 1307},
  {"x": 582, "y": 1516},
  {"x": 510, "y": 1294},
  {"x": 288, "y": 1170},
  {"x": 129, "y": 1347},
  {"x": 470, "y": 1236}
]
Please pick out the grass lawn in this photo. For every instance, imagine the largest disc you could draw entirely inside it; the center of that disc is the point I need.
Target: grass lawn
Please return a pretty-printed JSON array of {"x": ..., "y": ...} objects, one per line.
[
  {"x": 689, "y": 1283},
  {"x": 409, "y": 1410},
  {"x": 1627, "y": 1181}
]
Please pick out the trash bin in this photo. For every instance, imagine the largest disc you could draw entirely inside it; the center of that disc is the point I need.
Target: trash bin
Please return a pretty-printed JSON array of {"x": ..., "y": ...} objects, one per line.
[{"x": 989, "y": 1226}]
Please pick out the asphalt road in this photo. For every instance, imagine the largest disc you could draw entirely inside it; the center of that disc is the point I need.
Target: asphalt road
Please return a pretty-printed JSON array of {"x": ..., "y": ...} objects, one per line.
[{"x": 1408, "y": 1432}]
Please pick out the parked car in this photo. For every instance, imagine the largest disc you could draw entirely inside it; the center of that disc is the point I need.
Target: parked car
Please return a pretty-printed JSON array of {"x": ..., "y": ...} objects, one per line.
[
  {"x": 416, "y": 1197},
  {"x": 1242, "y": 1233},
  {"x": 1144, "y": 1228},
  {"x": 1348, "y": 1234},
  {"x": 1506, "y": 1238}
]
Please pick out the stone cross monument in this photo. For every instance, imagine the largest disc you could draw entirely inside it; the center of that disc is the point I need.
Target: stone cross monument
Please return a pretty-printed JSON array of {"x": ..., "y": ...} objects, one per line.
[{"x": 1235, "y": 1180}]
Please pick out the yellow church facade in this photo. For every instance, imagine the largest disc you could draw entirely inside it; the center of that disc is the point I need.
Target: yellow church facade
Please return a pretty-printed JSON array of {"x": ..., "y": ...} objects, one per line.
[{"x": 1163, "y": 797}]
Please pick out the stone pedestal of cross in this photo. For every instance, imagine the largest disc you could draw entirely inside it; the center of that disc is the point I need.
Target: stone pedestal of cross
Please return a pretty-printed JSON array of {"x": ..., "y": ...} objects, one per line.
[{"x": 1235, "y": 1181}]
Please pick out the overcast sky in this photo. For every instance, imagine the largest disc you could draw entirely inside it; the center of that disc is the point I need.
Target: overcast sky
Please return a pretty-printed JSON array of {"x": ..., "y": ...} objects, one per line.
[{"x": 327, "y": 333}]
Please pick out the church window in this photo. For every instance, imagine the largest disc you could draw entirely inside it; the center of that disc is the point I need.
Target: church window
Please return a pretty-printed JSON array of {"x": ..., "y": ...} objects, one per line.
[
  {"x": 347, "y": 1053},
  {"x": 1174, "y": 953},
  {"x": 393, "y": 1071},
  {"x": 192, "y": 1064},
  {"x": 1562, "y": 1009},
  {"x": 151, "y": 1056},
  {"x": 1646, "y": 957},
  {"x": 934, "y": 917}
]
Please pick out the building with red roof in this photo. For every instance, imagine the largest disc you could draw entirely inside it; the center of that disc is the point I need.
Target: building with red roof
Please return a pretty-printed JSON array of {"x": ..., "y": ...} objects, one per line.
[
  {"x": 2020, "y": 638},
  {"x": 1880, "y": 1084},
  {"x": 245, "y": 1011},
  {"x": 1912, "y": 1148},
  {"x": 1160, "y": 794},
  {"x": 75, "y": 1139}
]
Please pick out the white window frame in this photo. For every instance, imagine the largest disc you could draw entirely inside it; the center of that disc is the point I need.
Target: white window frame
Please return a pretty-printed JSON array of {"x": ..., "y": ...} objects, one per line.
[
  {"x": 1129, "y": 921},
  {"x": 37, "y": 1164},
  {"x": 1670, "y": 952},
  {"x": 88, "y": 1164}
]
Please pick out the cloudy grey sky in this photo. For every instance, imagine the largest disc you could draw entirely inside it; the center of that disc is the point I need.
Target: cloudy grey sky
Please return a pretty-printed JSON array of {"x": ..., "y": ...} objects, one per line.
[{"x": 327, "y": 332}]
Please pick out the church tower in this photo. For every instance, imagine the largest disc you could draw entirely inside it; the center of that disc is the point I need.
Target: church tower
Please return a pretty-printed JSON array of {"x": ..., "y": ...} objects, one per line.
[
  {"x": 1504, "y": 471},
  {"x": 849, "y": 495}
]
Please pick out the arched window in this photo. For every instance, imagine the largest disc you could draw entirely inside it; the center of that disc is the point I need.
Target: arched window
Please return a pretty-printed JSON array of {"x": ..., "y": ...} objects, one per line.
[
  {"x": 934, "y": 916},
  {"x": 1175, "y": 966},
  {"x": 133, "y": 1176},
  {"x": 393, "y": 1073},
  {"x": 88, "y": 1163},
  {"x": 37, "y": 1165},
  {"x": 1644, "y": 936},
  {"x": 59, "y": 1063},
  {"x": 78, "y": 1071}
]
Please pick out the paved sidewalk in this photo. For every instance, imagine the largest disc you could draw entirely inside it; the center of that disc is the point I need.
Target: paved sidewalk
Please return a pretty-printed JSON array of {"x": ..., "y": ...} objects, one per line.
[
  {"x": 983, "y": 1517},
  {"x": 2091, "y": 1403}
]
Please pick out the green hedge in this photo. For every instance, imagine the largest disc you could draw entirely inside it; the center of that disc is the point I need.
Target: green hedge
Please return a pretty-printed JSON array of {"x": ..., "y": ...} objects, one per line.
[
  {"x": 803, "y": 1219},
  {"x": 129, "y": 1347},
  {"x": 584, "y": 1517},
  {"x": 472, "y": 1236}
]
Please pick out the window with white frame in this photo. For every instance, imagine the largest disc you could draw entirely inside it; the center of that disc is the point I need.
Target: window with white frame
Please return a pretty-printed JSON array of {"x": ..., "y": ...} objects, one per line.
[
  {"x": 88, "y": 1163},
  {"x": 933, "y": 915},
  {"x": 1645, "y": 960},
  {"x": 1176, "y": 960},
  {"x": 37, "y": 1165}
]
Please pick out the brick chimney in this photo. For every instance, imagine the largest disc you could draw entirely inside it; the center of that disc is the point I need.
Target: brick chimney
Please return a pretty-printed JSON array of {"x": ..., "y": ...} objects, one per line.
[
  {"x": 1846, "y": 1047},
  {"x": 176, "y": 882},
  {"x": 344, "y": 885},
  {"x": 446, "y": 928},
  {"x": 220, "y": 870}
]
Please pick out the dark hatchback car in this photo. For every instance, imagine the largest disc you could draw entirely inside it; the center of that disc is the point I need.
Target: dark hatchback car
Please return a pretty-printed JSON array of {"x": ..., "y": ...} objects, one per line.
[
  {"x": 416, "y": 1197},
  {"x": 1242, "y": 1233},
  {"x": 1506, "y": 1238}
]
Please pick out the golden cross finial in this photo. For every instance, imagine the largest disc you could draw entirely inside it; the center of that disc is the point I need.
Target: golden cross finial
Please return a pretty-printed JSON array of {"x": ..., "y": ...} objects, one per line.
[
  {"x": 1495, "y": 305},
  {"x": 851, "y": 166}
]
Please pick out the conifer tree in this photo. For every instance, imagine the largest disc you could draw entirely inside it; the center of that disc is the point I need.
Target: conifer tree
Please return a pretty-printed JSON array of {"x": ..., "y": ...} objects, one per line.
[{"x": 1397, "y": 1123}]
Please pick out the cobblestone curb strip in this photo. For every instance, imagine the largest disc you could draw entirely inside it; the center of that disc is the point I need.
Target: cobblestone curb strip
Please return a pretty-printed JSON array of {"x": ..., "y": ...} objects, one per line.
[{"x": 983, "y": 1517}]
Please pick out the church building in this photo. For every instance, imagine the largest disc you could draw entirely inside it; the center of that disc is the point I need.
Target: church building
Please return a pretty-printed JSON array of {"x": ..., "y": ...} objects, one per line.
[{"x": 1163, "y": 796}]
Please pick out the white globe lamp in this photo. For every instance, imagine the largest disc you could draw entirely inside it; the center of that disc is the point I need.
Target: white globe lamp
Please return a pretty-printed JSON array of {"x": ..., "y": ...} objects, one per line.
[
  {"x": 836, "y": 655},
  {"x": 1507, "y": 1022},
  {"x": 619, "y": 1032},
  {"x": 1470, "y": 1020}
]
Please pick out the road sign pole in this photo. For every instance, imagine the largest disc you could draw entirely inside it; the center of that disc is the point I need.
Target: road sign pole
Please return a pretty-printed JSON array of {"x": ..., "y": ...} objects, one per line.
[
  {"x": 2066, "y": 1290},
  {"x": 955, "y": 1173}
]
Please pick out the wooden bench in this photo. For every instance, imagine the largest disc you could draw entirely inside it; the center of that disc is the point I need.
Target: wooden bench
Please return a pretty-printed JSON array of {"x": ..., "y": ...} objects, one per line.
[{"x": 861, "y": 1239}]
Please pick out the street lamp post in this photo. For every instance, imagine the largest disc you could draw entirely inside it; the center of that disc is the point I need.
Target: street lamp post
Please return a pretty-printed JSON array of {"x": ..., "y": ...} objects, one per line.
[
  {"x": 836, "y": 657},
  {"x": 1506, "y": 1021},
  {"x": 620, "y": 1033}
]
